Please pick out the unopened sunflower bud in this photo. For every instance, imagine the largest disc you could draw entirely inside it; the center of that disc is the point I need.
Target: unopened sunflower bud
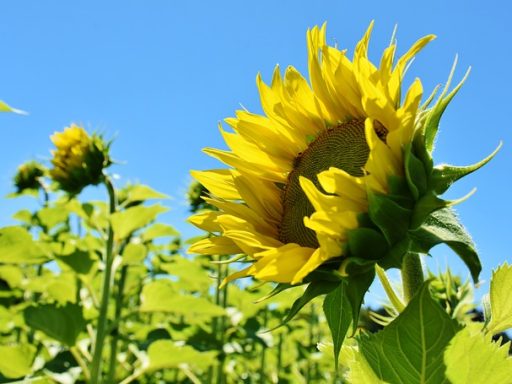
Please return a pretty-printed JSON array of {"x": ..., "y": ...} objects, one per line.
[
  {"x": 29, "y": 176},
  {"x": 79, "y": 159}
]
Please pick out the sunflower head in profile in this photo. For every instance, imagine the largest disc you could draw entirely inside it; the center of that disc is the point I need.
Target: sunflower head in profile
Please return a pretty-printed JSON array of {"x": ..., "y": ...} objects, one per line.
[
  {"x": 79, "y": 159},
  {"x": 336, "y": 175},
  {"x": 29, "y": 176}
]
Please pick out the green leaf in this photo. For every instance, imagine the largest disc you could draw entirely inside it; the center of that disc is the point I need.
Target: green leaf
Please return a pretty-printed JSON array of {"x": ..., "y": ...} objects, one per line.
[
  {"x": 16, "y": 360},
  {"x": 12, "y": 275},
  {"x": 50, "y": 217},
  {"x": 443, "y": 176},
  {"x": 62, "y": 288},
  {"x": 501, "y": 299},
  {"x": 164, "y": 354},
  {"x": 142, "y": 192},
  {"x": 17, "y": 247},
  {"x": 79, "y": 261},
  {"x": 191, "y": 276},
  {"x": 314, "y": 289},
  {"x": 62, "y": 323},
  {"x": 159, "y": 230},
  {"x": 24, "y": 215},
  {"x": 161, "y": 296},
  {"x": 410, "y": 349},
  {"x": 134, "y": 254},
  {"x": 359, "y": 371},
  {"x": 440, "y": 227},
  {"x": 472, "y": 357},
  {"x": 338, "y": 314},
  {"x": 391, "y": 218},
  {"x": 131, "y": 219}
]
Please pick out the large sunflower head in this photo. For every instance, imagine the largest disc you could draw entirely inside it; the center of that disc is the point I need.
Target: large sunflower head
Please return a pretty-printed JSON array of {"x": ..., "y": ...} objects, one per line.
[
  {"x": 79, "y": 159},
  {"x": 335, "y": 175}
]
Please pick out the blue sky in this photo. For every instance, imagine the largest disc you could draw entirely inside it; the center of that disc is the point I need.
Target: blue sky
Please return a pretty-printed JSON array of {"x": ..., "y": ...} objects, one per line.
[{"x": 160, "y": 75}]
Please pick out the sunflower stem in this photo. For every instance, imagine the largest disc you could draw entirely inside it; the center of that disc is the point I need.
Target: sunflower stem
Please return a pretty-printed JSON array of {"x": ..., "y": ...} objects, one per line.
[
  {"x": 96, "y": 376},
  {"x": 412, "y": 275}
]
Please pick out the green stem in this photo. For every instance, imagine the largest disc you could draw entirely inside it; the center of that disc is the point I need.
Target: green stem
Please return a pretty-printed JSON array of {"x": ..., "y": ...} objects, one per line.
[
  {"x": 412, "y": 275},
  {"x": 96, "y": 376},
  {"x": 263, "y": 349},
  {"x": 115, "y": 337}
]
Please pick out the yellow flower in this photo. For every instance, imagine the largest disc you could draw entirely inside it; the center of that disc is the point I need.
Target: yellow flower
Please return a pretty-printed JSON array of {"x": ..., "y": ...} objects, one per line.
[
  {"x": 300, "y": 176},
  {"x": 78, "y": 160}
]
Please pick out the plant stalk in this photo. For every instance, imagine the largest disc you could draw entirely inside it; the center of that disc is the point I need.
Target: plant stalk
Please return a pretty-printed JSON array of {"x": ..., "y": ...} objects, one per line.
[
  {"x": 96, "y": 376},
  {"x": 412, "y": 275}
]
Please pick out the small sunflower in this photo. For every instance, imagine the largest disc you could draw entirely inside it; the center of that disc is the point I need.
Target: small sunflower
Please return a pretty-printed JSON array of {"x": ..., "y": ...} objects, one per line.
[
  {"x": 28, "y": 177},
  {"x": 310, "y": 173},
  {"x": 79, "y": 159}
]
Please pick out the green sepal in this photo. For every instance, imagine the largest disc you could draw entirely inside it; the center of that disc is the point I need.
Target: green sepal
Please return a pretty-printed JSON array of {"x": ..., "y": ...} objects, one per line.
[
  {"x": 366, "y": 243},
  {"x": 314, "y": 289},
  {"x": 443, "y": 176},
  {"x": 415, "y": 173},
  {"x": 391, "y": 218},
  {"x": 356, "y": 266},
  {"x": 430, "y": 203},
  {"x": 431, "y": 125},
  {"x": 443, "y": 226}
]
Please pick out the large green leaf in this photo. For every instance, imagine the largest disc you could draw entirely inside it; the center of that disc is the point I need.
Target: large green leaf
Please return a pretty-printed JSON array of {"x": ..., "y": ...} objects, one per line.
[
  {"x": 443, "y": 226},
  {"x": 18, "y": 247},
  {"x": 501, "y": 299},
  {"x": 410, "y": 349},
  {"x": 358, "y": 369},
  {"x": 131, "y": 219},
  {"x": 472, "y": 357},
  {"x": 16, "y": 360},
  {"x": 166, "y": 354},
  {"x": 80, "y": 261},
  {"x": 62, "y": 323}
]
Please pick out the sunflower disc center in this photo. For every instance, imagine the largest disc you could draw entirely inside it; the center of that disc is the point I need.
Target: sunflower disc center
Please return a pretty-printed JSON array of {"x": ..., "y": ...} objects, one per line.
[{"x": 343, "y": 147}]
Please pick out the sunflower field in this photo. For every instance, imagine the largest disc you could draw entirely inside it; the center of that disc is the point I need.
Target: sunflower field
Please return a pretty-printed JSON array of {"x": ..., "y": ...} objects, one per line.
[{"x": 317, "y": 198}]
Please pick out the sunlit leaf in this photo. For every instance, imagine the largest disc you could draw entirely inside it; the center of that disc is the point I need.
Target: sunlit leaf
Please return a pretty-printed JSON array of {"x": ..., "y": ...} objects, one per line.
[
  {"x": 141, "y": 192},
  {"x": 131, "y": 219},
  {"x": 11, "y": 274},
  {"x": 134, "y": 254},
  {"x": 18, "y": 247},
  {"x": 161, "y": 296},
  {"x": 50, "y": 217},
  {"x": 410, "y": 349},
  {"x": 472, "y": 357},
  {"x": 159, "y": 230},
  {"x": 166, "y": 354},
  {"x": 501, "y": 299},
  {"x": 16, "y": 360}
]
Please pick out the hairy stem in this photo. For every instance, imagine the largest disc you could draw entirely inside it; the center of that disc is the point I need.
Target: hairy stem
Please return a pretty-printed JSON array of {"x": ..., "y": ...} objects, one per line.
[{"x": 412, "y": 275}]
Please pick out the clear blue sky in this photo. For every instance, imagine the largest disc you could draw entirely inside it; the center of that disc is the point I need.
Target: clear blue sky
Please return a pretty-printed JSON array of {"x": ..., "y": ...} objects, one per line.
[{"x": 159, "y": 75}]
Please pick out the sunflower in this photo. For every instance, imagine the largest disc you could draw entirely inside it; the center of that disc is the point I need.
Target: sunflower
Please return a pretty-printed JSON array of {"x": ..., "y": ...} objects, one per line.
[
  {"x": 302, "y": 175},
  {"x": 79, "y": 159}
]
